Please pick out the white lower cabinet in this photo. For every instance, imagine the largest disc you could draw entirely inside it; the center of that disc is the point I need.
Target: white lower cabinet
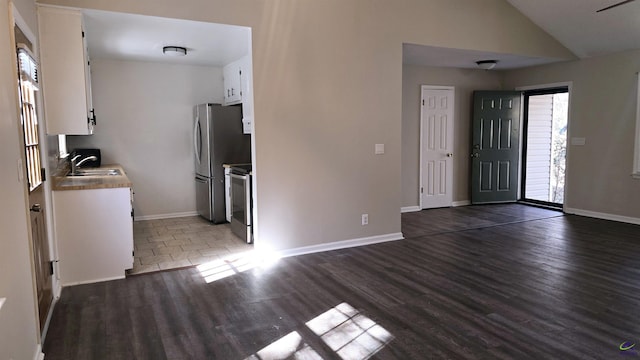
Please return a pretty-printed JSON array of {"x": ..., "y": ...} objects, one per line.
[{"x": 94, "y": 234}]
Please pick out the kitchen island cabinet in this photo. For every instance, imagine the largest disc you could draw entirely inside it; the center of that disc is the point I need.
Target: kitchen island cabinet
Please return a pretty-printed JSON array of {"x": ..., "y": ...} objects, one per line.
[{"x": 94, "y": 233}]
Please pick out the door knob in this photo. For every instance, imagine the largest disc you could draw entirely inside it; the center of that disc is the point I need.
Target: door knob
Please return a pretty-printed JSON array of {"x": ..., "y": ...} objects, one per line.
[
  {"x": 449, "y": 155},
  {"x": 475, "y": 155},
  {"x": 35, "y": 208}
]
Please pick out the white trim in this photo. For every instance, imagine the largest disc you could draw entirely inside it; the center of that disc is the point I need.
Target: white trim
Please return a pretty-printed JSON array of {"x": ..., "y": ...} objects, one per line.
[
  {"x": 26, "y": 30},
  {"x": 545, "y": 86},
  {"x": 407, "y": 209},
  {"x": 166, "y": 216},
  {"x": 636, "y": 153},
  {"x": 340, "y": 245},
  {"x": 604, "y": 216},
  {"x": 461, "y": 203},
  {"x": 567, "y": 169},
  {"x": 57, "y": 289},
  {"x": 39, "y": 355},
  {"x": 93, "y": 281},
  {"x": 420, "y": 170},
  {"x": 45, "y": 328}
]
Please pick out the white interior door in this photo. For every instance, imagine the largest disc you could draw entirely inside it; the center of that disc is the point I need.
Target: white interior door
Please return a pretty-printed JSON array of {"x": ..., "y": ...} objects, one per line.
[{"x": 436, "y": 160}]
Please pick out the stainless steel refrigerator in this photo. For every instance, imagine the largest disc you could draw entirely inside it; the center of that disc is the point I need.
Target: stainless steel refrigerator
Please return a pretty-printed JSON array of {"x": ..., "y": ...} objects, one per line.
[{"x": 218, "y": 140}]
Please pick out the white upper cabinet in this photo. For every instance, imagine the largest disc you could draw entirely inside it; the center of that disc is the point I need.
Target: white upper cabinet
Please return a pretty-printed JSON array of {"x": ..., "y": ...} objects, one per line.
[
  {"x": 246, "y": 65},
  {"x": 232, "y": 74},
  {"x": 66, "y": 76},
  {"x": 238, "y": 88}
]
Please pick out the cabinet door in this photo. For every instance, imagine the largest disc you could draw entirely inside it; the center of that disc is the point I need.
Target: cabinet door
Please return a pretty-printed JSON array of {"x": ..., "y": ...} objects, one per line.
[
  {"x": 247, "y": 94},
  {"x": 232, "y": 83},
  {"x": 64, "y": 77},
  {"x": 94, "y": 234}
]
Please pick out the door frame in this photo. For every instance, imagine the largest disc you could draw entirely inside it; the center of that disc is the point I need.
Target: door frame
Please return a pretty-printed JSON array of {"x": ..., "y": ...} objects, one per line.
[
  {"x": 421, "y": 172},
  {"x": 17, "y": 20},
  {"x": 567, "y": 172}
]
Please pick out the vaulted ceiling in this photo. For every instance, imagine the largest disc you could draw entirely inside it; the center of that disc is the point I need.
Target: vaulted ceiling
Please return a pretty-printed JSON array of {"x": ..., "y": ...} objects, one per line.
[
  {"x": 580, "y": 28},
  {"x": 576, "y": 24}
]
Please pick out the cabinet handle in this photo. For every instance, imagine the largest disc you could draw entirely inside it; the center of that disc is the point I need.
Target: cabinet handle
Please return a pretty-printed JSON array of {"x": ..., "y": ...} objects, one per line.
[
  {"x": 232, "y": 91},
  {"x": 228, "y": 93}
]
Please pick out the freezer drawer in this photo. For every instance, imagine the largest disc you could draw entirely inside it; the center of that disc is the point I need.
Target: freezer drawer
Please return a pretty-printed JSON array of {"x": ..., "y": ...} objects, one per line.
[{"x": 203, "y": 197}]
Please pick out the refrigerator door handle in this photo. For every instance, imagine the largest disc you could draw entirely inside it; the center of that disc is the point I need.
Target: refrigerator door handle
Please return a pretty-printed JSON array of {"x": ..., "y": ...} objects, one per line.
[{"x": 197, "y": 139}]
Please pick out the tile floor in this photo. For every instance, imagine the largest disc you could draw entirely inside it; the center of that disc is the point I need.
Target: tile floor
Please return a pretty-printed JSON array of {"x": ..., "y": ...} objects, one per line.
[{"x": 179, "y": 242}]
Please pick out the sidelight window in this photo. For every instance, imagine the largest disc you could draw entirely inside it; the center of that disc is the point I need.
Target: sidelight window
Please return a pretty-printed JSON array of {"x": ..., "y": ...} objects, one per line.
[
  {"x": 28, "y": 88},
  {"x": 636, "y": 156}
]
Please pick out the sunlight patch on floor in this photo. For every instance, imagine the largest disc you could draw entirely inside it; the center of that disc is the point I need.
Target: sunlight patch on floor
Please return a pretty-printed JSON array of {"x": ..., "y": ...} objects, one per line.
[
  {"x": 290, "y": 346},
  {"x": 348, "y": 333},
  {"x": 235, "y": 264}
]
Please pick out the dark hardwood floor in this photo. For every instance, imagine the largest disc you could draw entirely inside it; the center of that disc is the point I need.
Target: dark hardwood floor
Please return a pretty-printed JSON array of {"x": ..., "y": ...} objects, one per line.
[{"x": 478, "y": 282}]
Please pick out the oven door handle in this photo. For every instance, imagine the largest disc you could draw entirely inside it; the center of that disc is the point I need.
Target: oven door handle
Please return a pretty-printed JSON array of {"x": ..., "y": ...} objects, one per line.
[{"x": 247, "y": 195}]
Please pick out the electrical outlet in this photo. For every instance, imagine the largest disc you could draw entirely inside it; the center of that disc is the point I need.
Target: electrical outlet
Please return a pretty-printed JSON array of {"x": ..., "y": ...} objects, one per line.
[{"x": 365, "y": 219}]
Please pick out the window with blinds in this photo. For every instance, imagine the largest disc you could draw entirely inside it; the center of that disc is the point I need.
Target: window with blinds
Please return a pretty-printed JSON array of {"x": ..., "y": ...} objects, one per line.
[{"x": 28, "y": 88}]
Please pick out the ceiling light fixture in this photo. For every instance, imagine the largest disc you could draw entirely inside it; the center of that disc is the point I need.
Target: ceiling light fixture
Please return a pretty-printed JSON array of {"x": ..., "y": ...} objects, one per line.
[
  {"x": 486, "y": 64},
  {"x": 174, "y": 51}
]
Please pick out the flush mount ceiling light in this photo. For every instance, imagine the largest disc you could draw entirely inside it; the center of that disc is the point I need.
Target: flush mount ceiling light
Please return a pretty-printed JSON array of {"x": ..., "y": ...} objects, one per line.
[
  {"x": 486, "y": 64},
  {"x": 174, "y": 51}
]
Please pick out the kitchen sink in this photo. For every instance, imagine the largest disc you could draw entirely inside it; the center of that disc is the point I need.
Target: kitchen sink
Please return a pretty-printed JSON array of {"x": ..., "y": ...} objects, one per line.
[{"x": 97, "y": 172}]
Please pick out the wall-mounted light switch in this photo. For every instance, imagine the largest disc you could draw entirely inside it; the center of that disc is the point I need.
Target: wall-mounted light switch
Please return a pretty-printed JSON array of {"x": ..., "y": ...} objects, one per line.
[{"x": 379, "y": 149}]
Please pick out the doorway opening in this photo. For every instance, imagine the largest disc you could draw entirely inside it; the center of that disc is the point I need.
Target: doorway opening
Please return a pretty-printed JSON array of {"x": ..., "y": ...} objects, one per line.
[{"x": 544, "y": 148}]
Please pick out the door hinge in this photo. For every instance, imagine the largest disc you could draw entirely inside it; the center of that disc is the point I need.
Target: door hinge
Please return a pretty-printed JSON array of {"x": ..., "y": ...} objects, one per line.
[
  {"x": 422, "y": 102},
  {"x": 43, "y": 174},
  {"x": 83, "y": 34},
  {"x": 51, "y": 267},
  {"x": 421, "y": 190}
]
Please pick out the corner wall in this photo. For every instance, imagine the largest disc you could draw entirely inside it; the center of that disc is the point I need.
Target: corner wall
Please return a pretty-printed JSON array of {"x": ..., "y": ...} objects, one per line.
[
  {"x": 328, "y": 87},
  {"x": 602, "y": 109},
  {"x": 19, "y": 336},
  {"x": 465, "y": 82},
  {"x": 145, "y": 123}
]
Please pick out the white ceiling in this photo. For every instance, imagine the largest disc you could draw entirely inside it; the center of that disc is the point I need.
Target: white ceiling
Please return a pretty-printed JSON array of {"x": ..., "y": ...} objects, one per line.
[
  {"x": 135, "y": 37},
  {"x": 576, "y": 25},
  {"x": 466, "y": 59}
]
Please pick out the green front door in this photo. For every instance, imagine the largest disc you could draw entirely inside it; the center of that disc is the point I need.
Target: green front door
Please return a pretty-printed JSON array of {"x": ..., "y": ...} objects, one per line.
[{"x": 495, "y": 147}]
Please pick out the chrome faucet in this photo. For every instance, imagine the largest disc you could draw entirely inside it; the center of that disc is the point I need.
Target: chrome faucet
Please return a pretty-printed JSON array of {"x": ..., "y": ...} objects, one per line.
[{"x": 75, "y": 165}]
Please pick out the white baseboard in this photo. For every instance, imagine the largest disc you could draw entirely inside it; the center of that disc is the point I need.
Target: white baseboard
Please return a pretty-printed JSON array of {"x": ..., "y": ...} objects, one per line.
[
  {"x": 39, "y": 355},
  {"x": 93, "y": 281},
  {"x": 461, "y": 203},
  {"x": 604, "y": 216},
  {"x": 407, "y": 209},
  {"x": 340, "y": 245},
  {"x": 166, "y": 216}
]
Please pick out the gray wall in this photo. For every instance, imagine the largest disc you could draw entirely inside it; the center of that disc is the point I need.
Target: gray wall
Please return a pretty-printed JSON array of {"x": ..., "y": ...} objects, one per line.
[
  {"x": 328, "y": 87},
  {"x": 602, "y": 109},
  {"x": 145, "y": 123},
  {"x": 465, "y": 82},
  {"x": 18, "y": 323}
]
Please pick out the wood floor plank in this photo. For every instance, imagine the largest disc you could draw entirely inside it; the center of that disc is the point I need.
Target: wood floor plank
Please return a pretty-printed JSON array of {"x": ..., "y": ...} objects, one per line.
[{"x": 479, "y": 282}]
